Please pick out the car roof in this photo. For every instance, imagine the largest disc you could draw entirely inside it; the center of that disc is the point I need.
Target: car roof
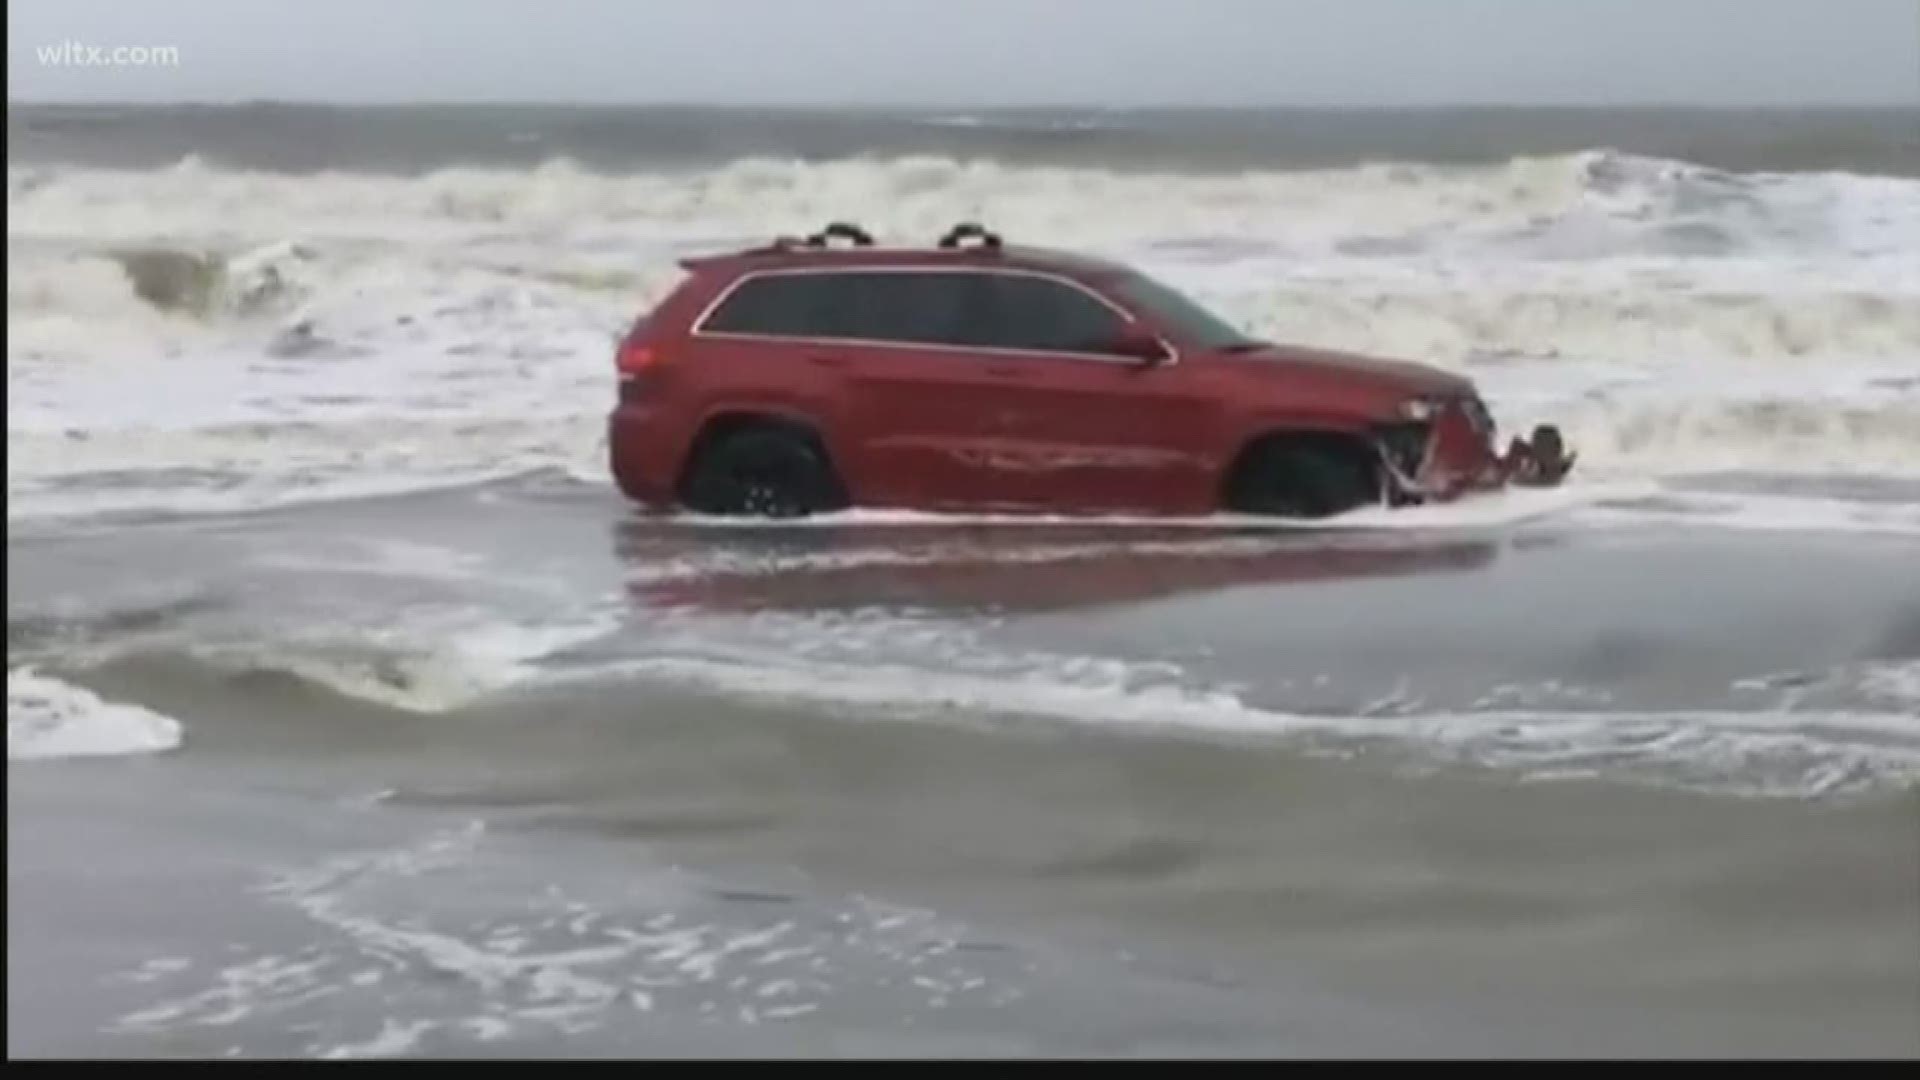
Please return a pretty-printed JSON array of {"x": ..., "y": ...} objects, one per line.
[{"x": 818, "y": 251}]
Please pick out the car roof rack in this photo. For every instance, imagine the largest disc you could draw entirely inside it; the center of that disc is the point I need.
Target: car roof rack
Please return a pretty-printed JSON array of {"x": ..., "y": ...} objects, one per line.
[
  {"x": 839, "y": 230},
  {"x": 855, "y": 236},
  {"x": 971, "y": 230}
]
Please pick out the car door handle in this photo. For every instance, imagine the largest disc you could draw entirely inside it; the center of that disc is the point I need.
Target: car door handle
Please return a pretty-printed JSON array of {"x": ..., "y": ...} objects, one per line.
[
  {"x": 827, "y": 361},
  {"x": 1003, "y": 370}
]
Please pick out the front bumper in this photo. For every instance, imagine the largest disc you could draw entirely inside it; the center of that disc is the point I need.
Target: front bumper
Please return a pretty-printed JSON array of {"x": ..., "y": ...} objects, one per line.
[{"x": 1452, "y": 453}]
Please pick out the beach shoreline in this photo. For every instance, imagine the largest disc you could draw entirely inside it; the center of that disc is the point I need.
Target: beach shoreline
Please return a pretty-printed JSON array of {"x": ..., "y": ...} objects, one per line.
[{"x": 1157, "y": 888}]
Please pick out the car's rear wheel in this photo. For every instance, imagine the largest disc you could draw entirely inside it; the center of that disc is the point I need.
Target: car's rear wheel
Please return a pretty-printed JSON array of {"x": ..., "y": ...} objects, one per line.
[
  {"x": 761, "y": 469},
  {"x": 1305, "y": 476}
]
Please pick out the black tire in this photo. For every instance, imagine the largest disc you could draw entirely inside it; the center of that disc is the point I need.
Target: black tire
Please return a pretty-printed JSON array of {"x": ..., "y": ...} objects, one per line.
[
  {"x": 1304, "y": 478},
  {"x": 763, "y": 470}
]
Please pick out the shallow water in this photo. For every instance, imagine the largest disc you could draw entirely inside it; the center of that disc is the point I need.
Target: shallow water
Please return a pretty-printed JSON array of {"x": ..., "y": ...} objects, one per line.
[{"x": 630, "y": 786}]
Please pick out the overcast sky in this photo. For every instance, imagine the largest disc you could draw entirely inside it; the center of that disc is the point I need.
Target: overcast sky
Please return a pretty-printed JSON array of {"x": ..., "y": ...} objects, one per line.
[{"x": 983, "y": 52}]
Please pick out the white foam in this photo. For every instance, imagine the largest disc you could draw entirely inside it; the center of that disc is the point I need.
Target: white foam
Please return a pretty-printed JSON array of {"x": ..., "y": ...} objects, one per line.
[
  {"x": 48, "y": 718},
  {"x": 395, "y": 1037},
  {"x": 1897, "y": 682},
  {"x": 1884, "y": 684},
  {"x": 387, "y": 333},
  {"x": 544, "y": 960},
  {"x": 1768, "y": 753},
  {"x": 423, "y": 665},
  {"x": 1613, "y": 502},
  {"x": 1506, "y": 507},
  {"x": 1770, "y": 513}
]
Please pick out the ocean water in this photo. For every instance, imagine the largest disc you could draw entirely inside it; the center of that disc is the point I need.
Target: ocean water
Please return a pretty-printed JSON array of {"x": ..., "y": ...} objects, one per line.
[
  {"x": 359, "y": 327},
  {"x": 310, "y": 524}
]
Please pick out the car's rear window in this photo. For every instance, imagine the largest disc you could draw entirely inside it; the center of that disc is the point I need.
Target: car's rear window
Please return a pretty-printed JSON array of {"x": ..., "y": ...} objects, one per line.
[{"x": 784, "y": 305}]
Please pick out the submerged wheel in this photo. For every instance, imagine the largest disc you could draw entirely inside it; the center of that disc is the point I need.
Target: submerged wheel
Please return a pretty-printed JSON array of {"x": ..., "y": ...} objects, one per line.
[
  {"x": 1304, "y": 477},
  {"x": 761, "y": 470}
]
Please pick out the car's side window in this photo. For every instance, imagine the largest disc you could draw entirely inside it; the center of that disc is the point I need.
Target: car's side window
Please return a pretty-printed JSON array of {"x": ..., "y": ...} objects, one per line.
[
  {"x": 782, "y": 305},
  {"x": 965, "y": 309},
  {"x": 1022, "y": 311},
  {"x": 918, "y": 308}
]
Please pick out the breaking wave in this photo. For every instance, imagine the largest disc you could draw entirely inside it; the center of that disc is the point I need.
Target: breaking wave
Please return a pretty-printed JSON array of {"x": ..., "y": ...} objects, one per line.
[
  {"x": 1573, "y": 206},
  {"x": 365, "y": 329},
  {"x": 48, "y": 718},
  {"x": 452, "y": 673},
  {"x": 1772, "y": 754}
]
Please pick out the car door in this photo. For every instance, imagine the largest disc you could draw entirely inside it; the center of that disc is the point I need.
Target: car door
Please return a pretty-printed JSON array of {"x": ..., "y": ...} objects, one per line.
[
  {"x": 924, "y": 407},
  {"x": 1088, "y": 426}
]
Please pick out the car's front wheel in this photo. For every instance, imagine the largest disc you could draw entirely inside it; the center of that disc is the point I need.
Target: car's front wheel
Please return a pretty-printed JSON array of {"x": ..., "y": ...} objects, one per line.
[
  {"x": 761, "y": 470},
  {"x": 1304, "y": 476}
]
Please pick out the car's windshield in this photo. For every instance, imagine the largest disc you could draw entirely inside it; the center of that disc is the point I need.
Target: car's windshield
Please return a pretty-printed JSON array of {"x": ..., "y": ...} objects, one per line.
[{"x": 1189, "y": 323}]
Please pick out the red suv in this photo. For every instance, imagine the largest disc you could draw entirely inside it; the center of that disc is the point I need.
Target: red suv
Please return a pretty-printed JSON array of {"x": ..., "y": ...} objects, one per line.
[{"x": 810, "y": 375}]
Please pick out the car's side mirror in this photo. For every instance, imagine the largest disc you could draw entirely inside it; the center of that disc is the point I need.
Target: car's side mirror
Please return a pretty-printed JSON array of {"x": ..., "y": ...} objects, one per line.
[{"x": 1141, "y": 344}]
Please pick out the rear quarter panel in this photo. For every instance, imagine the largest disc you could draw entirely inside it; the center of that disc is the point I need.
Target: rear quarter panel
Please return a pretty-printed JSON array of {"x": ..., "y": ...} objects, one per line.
[{"x": 731, "y": 376}]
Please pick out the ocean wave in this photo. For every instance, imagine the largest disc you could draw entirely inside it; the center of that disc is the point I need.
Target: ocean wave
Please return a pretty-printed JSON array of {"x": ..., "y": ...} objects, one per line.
[
  {"x": 1602, "y": 201},
  {"x": 1638, "y": 433},
  {"x": 84, "y": 307},
  {"x": 1464, "y": 316},
  {"x": 1584, "y": 255},
  {"x": 312, "y": 335},
  {"x": 412, "y": 669},
  {"x": 877, "y": 664},
  {"x": 48, "y": 718},
  {"x": 1753, "y": 753}
]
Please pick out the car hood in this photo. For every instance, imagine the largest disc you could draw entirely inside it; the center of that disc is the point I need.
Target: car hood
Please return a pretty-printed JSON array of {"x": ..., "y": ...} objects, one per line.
[{"x": 1387, "y": 375}]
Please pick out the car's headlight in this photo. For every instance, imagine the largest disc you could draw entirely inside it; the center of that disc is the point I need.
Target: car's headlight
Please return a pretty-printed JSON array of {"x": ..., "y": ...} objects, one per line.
[{"x": 1421, "y": 409}]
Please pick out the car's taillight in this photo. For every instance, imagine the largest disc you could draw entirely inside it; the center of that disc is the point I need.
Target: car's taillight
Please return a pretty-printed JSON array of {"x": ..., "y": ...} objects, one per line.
[
  {"x": 636, "y": 353},
  {"x": 635, "y": 357}
]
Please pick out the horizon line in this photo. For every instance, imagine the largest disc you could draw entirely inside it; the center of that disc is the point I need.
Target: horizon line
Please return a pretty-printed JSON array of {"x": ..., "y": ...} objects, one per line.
[{"x": 921, "y": 106}]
